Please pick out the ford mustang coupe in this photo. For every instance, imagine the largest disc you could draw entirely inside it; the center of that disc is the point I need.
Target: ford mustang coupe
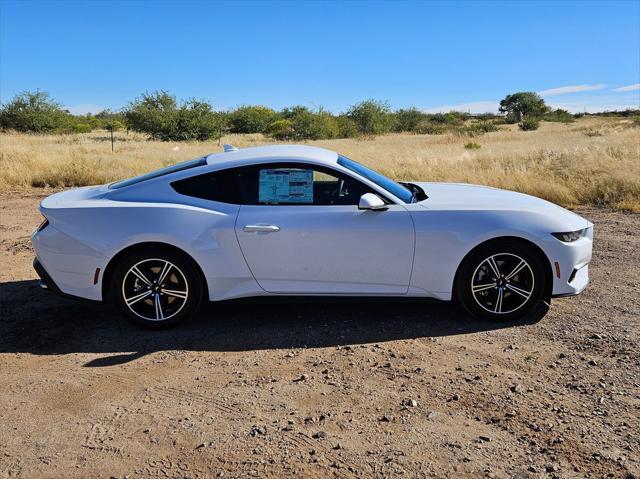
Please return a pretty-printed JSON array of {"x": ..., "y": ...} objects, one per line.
[{"x": 300, "y": 220}]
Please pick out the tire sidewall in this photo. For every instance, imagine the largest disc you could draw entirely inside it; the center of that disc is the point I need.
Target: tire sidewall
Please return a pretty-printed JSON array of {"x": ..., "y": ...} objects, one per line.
[
  {"x": 184, "y": 263},
  {"x": 477, "y": 256}
]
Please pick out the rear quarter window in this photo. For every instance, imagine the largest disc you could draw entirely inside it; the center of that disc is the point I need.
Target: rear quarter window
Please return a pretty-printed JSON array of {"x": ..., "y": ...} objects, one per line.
[{"x": 221, "y": 186}]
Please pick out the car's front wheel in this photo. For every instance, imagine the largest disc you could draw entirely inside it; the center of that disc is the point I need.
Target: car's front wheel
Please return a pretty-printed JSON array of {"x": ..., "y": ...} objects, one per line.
[
  {"x": 157, "y": 287},
  {"x": 501, "y": 281}
]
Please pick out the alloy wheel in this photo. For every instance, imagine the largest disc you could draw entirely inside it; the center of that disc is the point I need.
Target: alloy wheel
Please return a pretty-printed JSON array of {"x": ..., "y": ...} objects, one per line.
[
  {"x": 155, "y": 289},
  {"x": 502, "y": 283}
]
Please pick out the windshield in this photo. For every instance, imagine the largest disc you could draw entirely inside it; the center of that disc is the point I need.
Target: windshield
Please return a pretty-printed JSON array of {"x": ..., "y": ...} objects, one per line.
[
  {"x": 382, "y": 181},
  {"x": 161, "y": 172}
]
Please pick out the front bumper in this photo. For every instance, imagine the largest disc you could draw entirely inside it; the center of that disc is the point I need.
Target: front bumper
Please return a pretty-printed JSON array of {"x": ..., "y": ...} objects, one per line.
[{"x": 570, "y": 265}]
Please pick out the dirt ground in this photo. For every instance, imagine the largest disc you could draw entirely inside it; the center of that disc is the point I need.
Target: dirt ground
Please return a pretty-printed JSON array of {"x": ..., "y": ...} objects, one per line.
[{"x": 322, "y": 388}]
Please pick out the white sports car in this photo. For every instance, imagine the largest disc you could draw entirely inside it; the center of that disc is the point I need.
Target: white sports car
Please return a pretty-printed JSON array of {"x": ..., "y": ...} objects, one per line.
[{"x": 299, "y": 220}]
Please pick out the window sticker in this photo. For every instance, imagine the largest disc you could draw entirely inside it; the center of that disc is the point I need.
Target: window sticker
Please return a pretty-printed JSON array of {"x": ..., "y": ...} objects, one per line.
[{"x": 285, "y": 186}]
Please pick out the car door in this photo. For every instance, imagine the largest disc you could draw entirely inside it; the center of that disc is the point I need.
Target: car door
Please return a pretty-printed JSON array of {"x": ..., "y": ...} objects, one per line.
[{"x": 301, "y": 232}]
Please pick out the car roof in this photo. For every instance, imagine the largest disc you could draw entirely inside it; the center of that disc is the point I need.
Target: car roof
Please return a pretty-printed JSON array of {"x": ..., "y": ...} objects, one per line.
[{"x": 274, "y": 152}]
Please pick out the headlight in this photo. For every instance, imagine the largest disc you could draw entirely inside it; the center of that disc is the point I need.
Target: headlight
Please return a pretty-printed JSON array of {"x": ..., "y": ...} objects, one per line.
[{"x": 571, "y": 236}]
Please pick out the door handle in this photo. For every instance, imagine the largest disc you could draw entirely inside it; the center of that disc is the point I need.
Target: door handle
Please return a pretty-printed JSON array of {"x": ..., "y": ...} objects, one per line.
[{"x": 261, "y": 229}]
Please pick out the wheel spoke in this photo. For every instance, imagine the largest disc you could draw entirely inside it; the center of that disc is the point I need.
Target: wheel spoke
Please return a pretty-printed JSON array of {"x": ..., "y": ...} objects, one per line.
[
  {"x": 522, "y": 292},
  {"x": 177, "y": 294},
  {"x": 143, "y": 292},
  {"x": 498, "y": 308},
  {"x": 140, "y": 275},
  {"x": 516, "y": 270},
  {"x": 494, "y": 266},
  {"x": 159, "y": 314},
  {"x": 165, "y": 272},
  {"x": 135, "y": 299},
  {"x": 482, "y": 287}
]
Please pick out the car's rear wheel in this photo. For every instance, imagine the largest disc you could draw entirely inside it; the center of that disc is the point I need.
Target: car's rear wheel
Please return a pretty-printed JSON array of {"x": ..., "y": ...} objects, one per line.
[
  {"x": 501, "y": 281},
  {"x": 156, "y": 287}
]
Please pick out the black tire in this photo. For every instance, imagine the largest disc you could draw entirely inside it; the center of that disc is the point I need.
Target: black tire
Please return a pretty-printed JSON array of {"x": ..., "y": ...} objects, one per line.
[
  {"x": 514, "y": 295},
  {"x": 137, "y": 292}
]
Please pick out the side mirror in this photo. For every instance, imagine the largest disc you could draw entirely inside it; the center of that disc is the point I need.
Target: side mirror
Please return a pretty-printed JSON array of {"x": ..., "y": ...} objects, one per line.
[{"x": 369, "y": 201}]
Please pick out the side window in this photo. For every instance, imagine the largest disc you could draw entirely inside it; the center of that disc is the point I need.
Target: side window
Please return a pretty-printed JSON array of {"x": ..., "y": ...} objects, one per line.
[
  {"x": 297, "y": 184},
  {"x": 221, "y": 186},
  {"x": 275, "y": 184}
]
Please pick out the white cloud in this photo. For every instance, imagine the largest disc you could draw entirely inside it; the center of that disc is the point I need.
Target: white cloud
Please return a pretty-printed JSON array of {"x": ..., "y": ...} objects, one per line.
[
  {"x": 563, "y": 90},
  {"x": 634, "y": 87},
  {"x": 473, "y": 107},
  {"x": 84, "y": 109}
]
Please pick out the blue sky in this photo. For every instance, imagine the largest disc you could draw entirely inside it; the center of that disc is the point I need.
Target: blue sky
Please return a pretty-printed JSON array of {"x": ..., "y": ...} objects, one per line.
[{"x": 434, "y": 55}]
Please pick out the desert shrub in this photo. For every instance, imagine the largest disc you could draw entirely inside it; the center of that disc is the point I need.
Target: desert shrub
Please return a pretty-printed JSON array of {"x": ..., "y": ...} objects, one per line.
[
  {"x": 407, "y": 119},
  {"x": 81, "y": 128},
  {"x": 113, "y": 124},
  {"x": 34, "y": 112},
  {"x": 451, "y": 118},
  {"x": 327, "y": 126},
  {"x": 347, "y": 128},
  {"x": 196, "y": 120},
  {"x": 372, "y": 117},
  {"x": 251, "y": 119},
  {"x": 472, "y": 146},
  {"x": 159, "y": 115},
  {"x": 591, "y": 132},
  {"x": 154, "y": 114},
  {"x": 309, "y": 125},
  {"x": 559, "y": 115},
  {"x": 529, "y": 124},
  {"x": 478, "y": 128},
  {"x": 487, "y": 117},
  {"x": 106, "y": 118},
  {"x": 281, "y": 129},
  {"x": 427, "y": 127}
]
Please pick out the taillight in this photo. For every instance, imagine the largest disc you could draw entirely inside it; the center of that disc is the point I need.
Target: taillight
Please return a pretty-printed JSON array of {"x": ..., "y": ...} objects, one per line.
[{"x": 43, "y": 225}]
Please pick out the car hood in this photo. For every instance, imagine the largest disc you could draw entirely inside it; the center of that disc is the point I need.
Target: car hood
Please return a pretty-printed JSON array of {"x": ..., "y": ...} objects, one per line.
[{"x": 462, "y": 196}]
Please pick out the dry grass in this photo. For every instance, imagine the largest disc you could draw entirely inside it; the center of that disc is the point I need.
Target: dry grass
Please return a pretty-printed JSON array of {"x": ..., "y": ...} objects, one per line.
[{"x": 594, "y": 161}]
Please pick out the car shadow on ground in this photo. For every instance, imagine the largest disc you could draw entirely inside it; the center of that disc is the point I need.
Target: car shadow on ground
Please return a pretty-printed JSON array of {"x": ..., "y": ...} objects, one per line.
[{"x": 36, "y": 321}]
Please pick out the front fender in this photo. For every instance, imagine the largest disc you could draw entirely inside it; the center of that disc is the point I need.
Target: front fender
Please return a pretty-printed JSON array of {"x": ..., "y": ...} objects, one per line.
[{"x": 444, "y": 238}]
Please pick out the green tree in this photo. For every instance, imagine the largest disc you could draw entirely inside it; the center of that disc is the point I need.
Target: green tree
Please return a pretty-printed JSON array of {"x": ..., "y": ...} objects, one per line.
[
  {"x": 372, "y": 117},
  {"x": 34, "y": 112},
  {"x": 196, "y": 120},
  {"x": 519, "y": 105},
  {"x": 408, "y": 119},
  {"x": 251, "y": 119},
  {"x": 153, "y": 113},
  {"x": 281, "y": 129},
  {"x": 347, "y": 128},
  {"x": 309, "y": 125},
  {"x": 160, "y": 115}
]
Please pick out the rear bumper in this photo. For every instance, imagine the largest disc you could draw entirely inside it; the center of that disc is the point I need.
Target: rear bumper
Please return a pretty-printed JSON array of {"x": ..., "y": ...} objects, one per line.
[{"x": 46, "y": 282}]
